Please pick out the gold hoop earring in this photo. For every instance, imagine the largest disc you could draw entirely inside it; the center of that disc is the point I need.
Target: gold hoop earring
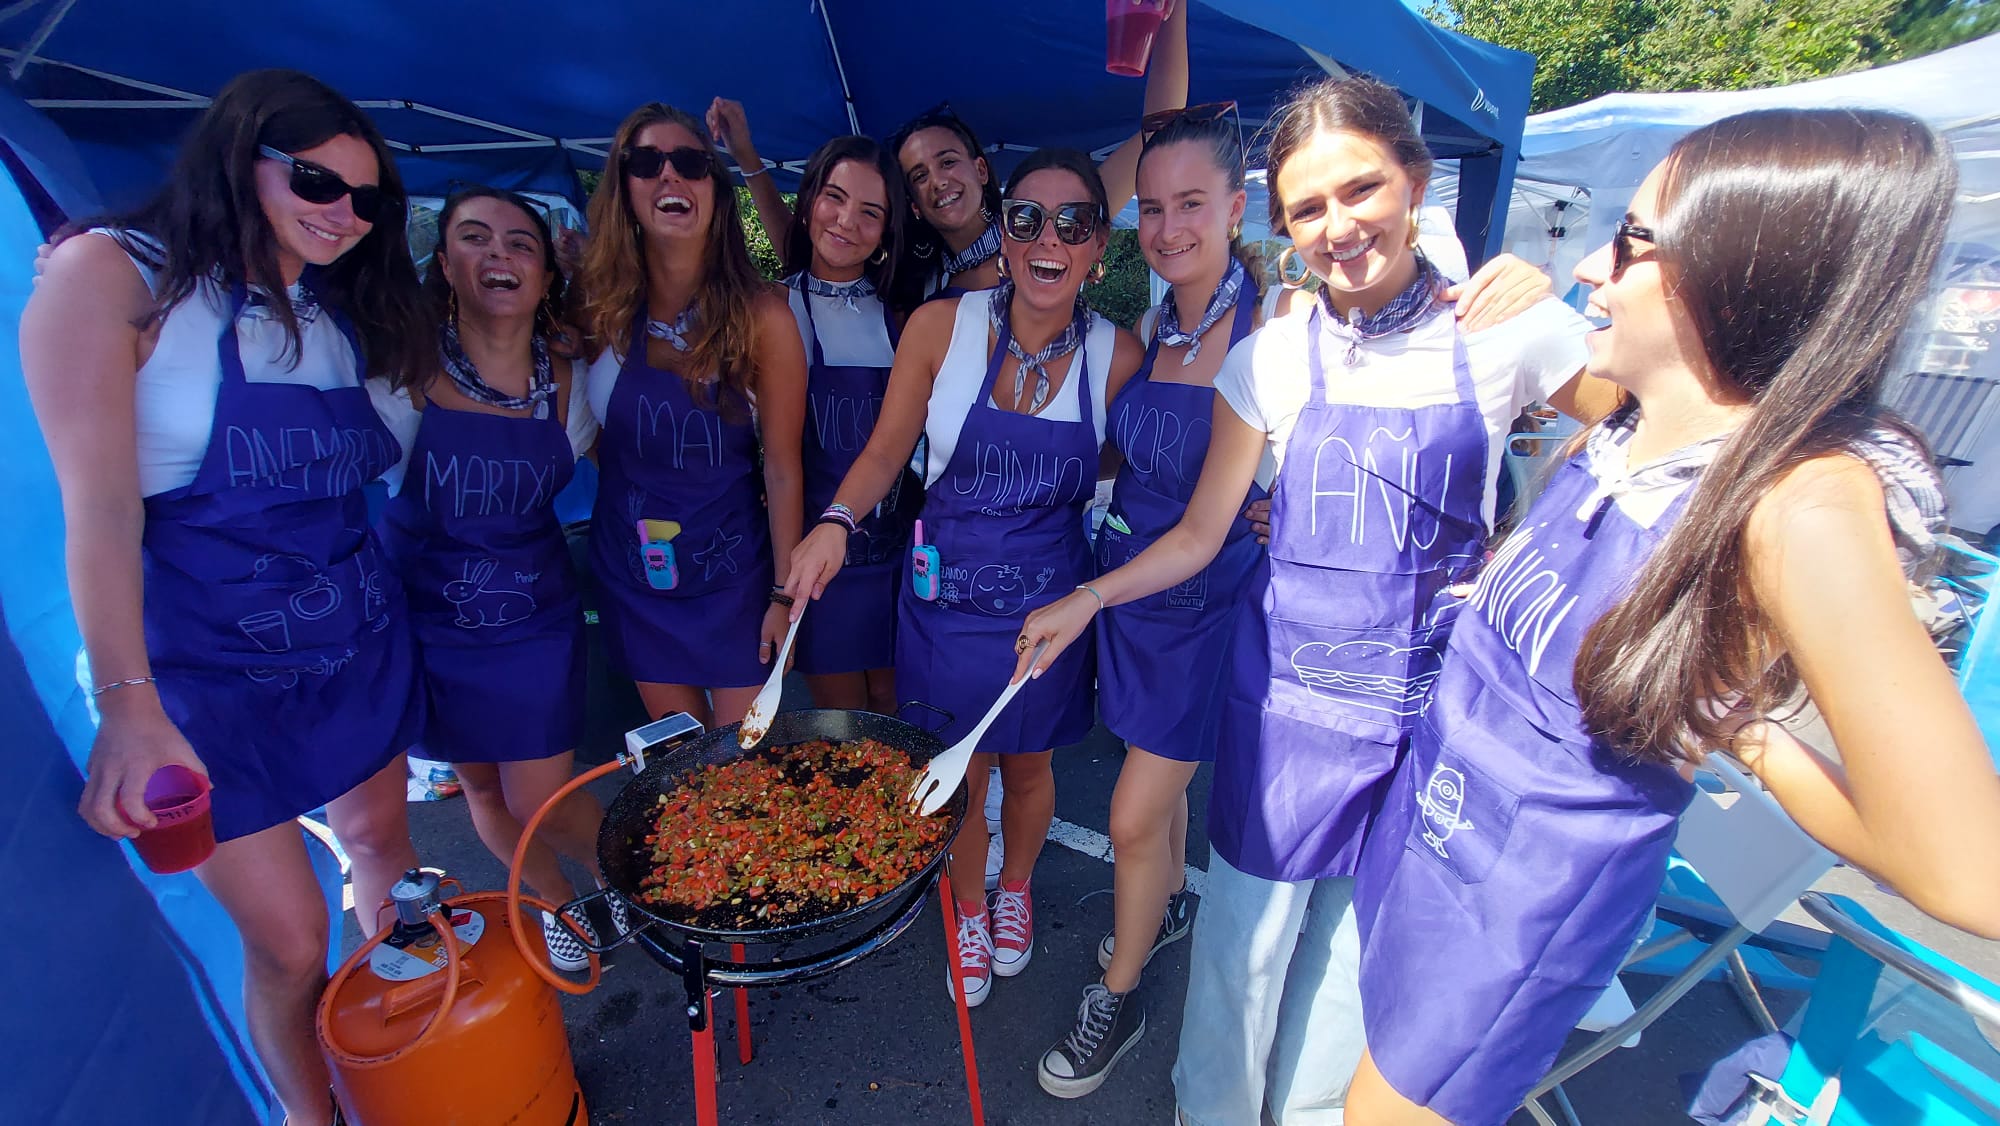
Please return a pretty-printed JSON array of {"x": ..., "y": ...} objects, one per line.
[
  {"x": 880, "y": 256},
  {"x": 1287, "y": 258},
  {"x": 1097, "y": 272},
  {"x": 451, "y": 305},
  {"x": 1000, "y": 264},
  {"x": 1414, "y": 231},
  {"x": 1235, "y": 232}
]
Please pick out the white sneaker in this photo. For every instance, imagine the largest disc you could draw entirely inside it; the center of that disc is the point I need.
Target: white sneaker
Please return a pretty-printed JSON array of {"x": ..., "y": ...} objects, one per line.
[
  {"x": 996, "y": 855},
  {"x": 975, "y": 959},
  {"x": 994, "y": 795},
  {"x": 565, "y": 952}
]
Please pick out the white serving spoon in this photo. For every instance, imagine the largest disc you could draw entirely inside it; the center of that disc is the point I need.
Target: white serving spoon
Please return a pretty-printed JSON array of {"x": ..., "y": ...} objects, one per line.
[
  {"x": 757, "y": 720},
  {"x": 940, "y": 779}
]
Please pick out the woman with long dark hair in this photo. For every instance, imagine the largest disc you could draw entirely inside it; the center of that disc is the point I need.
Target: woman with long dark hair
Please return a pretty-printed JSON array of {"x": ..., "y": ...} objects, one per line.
[
  {"x": 699, "y": 381},
  {"x": 494, "y": 432},
  {"x": 1738, "y": 530},
  {"x": 1384, "y": 417},
  {"x": 1012, "y": 387},
  {"x": 203, "y": 370}
]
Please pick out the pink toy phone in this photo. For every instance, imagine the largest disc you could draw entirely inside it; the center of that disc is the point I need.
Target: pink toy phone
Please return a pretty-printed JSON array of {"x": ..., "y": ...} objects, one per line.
[
  {"x": 663, "y": 571},
  {"x": 924, "y": 566}
]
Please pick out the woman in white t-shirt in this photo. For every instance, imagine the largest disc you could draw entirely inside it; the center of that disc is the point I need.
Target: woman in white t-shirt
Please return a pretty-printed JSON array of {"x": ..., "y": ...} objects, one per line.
[
  {"x": 491, "y": 436},
  {"x": 1379, "y": 425}
]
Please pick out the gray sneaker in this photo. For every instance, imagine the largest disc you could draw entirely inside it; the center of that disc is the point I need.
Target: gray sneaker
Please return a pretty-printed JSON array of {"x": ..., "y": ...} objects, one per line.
[
  {"x": 1174, "y": 926},
  {"x": 1107, "y": 1026}
]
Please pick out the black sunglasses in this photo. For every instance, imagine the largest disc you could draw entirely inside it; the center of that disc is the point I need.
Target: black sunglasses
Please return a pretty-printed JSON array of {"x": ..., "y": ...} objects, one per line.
[
  {"x": 1622, "y": 254},
  {"x": 1023, "y": 220},
  {"x": 644, "y": 162},
  {"x": 314, "y": 184}
]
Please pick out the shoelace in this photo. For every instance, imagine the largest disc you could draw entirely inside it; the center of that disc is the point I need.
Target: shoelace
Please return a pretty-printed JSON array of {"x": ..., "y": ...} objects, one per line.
[
  {"x": 1093, "y": 1022},
  {"x": 975, "y": 944},
  {"x": 1011, "y": 917}
]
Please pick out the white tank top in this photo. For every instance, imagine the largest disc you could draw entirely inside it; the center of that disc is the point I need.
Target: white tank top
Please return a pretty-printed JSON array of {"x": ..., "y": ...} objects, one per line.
[
  {"x": 964, "y": 372},
  {"x": 174, "y": 397}
]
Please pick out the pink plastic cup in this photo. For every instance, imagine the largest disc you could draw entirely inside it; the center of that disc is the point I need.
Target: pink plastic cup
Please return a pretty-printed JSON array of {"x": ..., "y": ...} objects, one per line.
[
  {"x": 185, "y": 835},
  {"x": 1129, "y": 29}
]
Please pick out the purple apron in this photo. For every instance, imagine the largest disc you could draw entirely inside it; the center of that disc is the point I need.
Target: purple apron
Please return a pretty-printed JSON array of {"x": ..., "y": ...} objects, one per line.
[
  {"x": 664, "y": 456},
  {"x": 1007, "y": 519},
  {"x": 1375, "y": 511},
  {"x": 852, "y": 626},
  {"x": 275, "y": 626},
  {"x": 474, "y": 536},
  {"x": 1162, "y": 430},
  {"x": 1514, "y": 858}
]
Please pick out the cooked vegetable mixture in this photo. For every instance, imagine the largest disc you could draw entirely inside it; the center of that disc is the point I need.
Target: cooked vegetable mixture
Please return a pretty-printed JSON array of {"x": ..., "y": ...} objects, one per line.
[{"x": 788, "y": 833}]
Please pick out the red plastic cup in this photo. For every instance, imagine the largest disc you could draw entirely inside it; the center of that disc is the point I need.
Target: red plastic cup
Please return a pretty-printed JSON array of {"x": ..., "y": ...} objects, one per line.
[
  {"x": 1129, "y": 29},
  {"x": 185, "y": 835}
]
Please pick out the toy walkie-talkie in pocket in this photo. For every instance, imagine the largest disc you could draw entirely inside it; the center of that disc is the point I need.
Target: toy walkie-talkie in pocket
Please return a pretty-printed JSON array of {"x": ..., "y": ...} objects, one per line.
[
  {"x": 924, "y": 566},
  {"x": 656, "y": 551}
]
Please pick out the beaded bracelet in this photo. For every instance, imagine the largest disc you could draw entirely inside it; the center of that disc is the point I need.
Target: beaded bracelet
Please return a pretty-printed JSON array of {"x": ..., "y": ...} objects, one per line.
[
  {"x": 780, "y": 598},
  {"x": 839, "y": 514}
]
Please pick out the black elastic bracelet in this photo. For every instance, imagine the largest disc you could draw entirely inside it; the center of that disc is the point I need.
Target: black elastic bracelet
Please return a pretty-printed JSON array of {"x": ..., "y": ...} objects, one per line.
[
  {"x": 780, "y": 598},
  {"x": 836, "y": 522}
]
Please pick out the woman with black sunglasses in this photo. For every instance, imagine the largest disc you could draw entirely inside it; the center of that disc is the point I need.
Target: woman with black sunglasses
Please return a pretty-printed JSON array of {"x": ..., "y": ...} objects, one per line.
[
  {"x": 494, "y": 432},
  {"x": 1012, "y": 388},
  {"x": 1382, "y": 417},
  {"x": 1742, "y": 529},
  {"x": 699, "y": 381},
  {"x": 206, "y": 370}
]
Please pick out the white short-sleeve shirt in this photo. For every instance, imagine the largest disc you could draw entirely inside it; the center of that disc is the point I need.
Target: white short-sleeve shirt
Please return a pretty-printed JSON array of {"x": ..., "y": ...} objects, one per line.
[{"x": 1265, "y": 378}]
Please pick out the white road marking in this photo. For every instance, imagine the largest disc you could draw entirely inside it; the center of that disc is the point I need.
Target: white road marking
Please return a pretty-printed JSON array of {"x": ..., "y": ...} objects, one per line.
[{"x": 1092, "y": 843}]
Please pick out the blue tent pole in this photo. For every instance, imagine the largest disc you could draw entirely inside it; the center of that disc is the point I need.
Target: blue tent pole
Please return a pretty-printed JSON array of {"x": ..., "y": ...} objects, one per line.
[{"x": 1482, "y": 206}]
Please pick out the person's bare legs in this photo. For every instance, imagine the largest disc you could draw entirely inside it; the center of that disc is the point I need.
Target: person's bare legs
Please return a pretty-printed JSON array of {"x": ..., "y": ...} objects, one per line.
[
  {"x": 666, "y": 699},
  {"x": 967, "y": 866},
  {"x": 502, "y": 797},
  {"x": 1030, "y": 782},
  {"x": 847, "y": 691},
  {"x": 731, "y": 704},
  {"x": 1371, "y": 1101},
  {"x": 265, "y": 882},
  {"x": 372, "y": 823},
  {"x": 1147, "y": 805}
]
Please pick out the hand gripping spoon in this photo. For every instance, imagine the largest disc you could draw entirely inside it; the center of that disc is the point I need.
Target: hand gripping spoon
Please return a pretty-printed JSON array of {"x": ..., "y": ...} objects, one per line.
[
  {"x": 940, "y": 779},
  {"x": 757, "y": 720}
]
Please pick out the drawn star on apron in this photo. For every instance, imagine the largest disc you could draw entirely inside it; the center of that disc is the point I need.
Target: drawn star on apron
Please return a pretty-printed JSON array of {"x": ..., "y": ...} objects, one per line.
[{"x": 719, "y": 555}]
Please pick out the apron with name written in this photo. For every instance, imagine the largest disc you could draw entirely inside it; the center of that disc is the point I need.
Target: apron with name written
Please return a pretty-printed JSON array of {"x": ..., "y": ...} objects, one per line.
[
  {"x": 474, "y": 535},
  {"x": 274, "y": 623},
  {"x": 664, "y": 456},
  {"x": 852, "y": 626},
  {"x": 1160, "y": 659},
  {"x": 1515, "y": 857},
  {"x": 1375, "y": 511},
  {"x": 1007, "y": 520}
]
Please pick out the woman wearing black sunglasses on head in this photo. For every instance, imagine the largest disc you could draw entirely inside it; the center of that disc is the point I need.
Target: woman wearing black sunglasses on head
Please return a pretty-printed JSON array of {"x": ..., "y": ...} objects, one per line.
[
  {"x": 206, "y": 372},
  {"x": 1012, "y": 387},
  {"x": 493, "y": 434},
  {"x": 699, "y": 381}
]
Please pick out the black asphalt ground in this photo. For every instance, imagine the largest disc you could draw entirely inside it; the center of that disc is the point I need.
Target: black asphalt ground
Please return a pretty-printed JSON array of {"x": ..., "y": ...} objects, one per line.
[{"x": 878, "y": 1043}]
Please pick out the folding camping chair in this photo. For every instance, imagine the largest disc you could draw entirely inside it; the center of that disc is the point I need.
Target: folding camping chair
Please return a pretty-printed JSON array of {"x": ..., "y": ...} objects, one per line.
[
  {"x": 1757, "y": 863},
  {"x": 1914, "y": 1044}
]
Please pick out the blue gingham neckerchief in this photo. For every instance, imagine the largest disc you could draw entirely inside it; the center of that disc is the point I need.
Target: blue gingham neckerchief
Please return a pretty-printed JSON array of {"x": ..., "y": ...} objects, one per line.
[
  {"x": 1167, "y": 330},
  {"x": 1067, "y": 341},
  {"x": 465, "y": 375},
  {"x": 847, "y": 293},
  {"x": 305, "y": 303},
  {"x": 1401, "y": 314},
  {"x": 978, "y": 254},
  {"x": 676, "y": 331}
]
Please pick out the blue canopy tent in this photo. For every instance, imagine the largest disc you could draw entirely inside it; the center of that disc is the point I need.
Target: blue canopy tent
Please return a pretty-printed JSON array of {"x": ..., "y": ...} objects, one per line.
[{"x": 523, "y": 95}]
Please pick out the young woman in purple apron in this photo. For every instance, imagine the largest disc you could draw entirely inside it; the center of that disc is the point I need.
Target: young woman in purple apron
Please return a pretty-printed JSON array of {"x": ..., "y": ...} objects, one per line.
[
  {"x": 841, "y": 253},
  {"x": 207, "y": 413},
  {"x": 700, "y": 384},
  {"x": 1731, "y": 535},
  {"x": 1384, "y": 420},
  {"x": 472, "y": 532},
  {"x": 1012, "y": 387}
]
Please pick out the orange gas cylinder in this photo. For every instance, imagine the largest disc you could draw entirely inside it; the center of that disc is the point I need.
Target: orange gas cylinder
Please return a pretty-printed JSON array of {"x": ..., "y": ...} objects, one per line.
[{"x": 448, "y": 1025}]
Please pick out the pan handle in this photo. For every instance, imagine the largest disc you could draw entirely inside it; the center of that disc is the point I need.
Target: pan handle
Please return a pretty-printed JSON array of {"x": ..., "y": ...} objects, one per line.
[
  {"x": 602, "y": 948},
  {"x": 538, "y": 960},
  {"x": 908, "y": 704}
]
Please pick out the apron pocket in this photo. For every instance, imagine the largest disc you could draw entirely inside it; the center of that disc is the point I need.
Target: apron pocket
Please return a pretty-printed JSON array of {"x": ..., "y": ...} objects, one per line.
[
  {"x": 1463, "y": 818},
  {"x": 1378, "y": 677}
]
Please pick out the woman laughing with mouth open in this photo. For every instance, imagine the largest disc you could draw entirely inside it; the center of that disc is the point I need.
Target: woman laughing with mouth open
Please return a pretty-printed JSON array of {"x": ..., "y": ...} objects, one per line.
[
  {"x": 1014, "y": 387},
  {"x": 698, "y": 378}
]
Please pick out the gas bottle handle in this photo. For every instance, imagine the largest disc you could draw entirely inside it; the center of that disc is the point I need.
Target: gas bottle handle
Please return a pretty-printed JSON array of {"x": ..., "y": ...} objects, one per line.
[{"x": 453, "y": 977}]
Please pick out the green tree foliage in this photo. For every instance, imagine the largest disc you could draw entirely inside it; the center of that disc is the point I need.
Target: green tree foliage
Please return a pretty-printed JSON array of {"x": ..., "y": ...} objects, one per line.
[
  {"x": 1923, "y": 26},
  {"x": 1585, "y": 48},
  {"x": 1125, "y": 292}
]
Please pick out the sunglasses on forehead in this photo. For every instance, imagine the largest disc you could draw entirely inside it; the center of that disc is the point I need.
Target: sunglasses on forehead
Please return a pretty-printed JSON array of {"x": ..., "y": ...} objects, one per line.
[
  {"x": 315, "y": 184},
  {"x": 1023, "y": 220},
  {"x": 644, "y": 162},
  {"x": 1194, "y": 115},
  {"x": 1622, "y": 254}
]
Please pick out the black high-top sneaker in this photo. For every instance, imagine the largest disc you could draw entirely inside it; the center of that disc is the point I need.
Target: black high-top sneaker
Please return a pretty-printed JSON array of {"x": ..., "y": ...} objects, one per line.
[
  {"x": 1174, "y": 926},
  {"x": 1107, "y": 1026}
]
